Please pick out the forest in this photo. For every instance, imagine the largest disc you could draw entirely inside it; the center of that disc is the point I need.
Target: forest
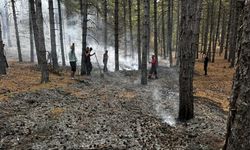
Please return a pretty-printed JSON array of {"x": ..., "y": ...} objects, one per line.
[{"x": 125, "y": 74}]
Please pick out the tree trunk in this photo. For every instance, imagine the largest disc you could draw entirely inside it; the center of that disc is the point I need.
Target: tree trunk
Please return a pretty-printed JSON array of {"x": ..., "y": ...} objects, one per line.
[
  {"x": 197, "y": 27},
  {"x": 2, "y": 56},
  {"x": 170, "y": 27},
  {"x": 228, "y": 30},
  {"x": 37, "y": 22},
  {"x": 223, "y": 31},
  {"x": 163, "y": 29},
  {"x": 125, "y": 26},
  {"x": 146, "y": 28},
  {"x": 116, "y": 35},
  {"x": 205, "y": 42},
  {"x": 105, "y": 24},
  {"x": 217, "y": 31},
  {"x": 53, "y": 35},
  {"x": 32, "y": 55},
  {"x": 131, "y": 29},
  {"x": 155, "y": 30},
  {"x": 17, "y": 32},
  {"x": 233, "y": 39},
  {"x": 139, "y": 33},
  {"x": 177, "y": 34},
  {"x": 84, "y": 16},
  {"x": 61, "y": 32},
  {"x": 211, "y": 34},
  {"x": 189, "y": 21},
  {"x": 7, "y": 23},
  {"x": 238, "y": 135}
]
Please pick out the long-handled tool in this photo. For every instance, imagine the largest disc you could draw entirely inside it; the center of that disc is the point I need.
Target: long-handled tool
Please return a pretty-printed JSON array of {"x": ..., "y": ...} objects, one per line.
[{"x": 101, "y": 73}]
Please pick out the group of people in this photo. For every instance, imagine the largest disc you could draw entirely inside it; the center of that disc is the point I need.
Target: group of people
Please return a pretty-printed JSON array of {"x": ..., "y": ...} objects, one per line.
[{"x": 73, "y": 60}]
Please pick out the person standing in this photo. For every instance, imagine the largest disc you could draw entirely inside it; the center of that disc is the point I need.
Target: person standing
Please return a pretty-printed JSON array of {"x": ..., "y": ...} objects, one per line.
[
  {"x": 205, "y": 64},
  {"x": 105, "y": 61},
  {"x": 88, "y": 60},
  {"x": 153, "y": 69},
  {"x": 72, "y": 60}
]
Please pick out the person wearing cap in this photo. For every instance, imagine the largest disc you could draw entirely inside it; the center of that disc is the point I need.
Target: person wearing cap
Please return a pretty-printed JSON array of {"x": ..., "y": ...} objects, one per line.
[{"x": 153, "y": 70}]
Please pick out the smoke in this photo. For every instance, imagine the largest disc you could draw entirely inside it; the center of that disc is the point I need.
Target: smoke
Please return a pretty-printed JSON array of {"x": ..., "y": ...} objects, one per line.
[
  {"x": 72, "y": 34},
  {"x": 166, "y": 107}
]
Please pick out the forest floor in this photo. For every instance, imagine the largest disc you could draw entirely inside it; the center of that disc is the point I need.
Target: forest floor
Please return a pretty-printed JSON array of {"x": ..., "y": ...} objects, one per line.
[{"x": 114, "y": 112}]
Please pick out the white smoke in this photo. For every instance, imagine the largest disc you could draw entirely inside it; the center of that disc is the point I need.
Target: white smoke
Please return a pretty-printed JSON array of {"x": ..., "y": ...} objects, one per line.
[{"x": 166, "y": 107}]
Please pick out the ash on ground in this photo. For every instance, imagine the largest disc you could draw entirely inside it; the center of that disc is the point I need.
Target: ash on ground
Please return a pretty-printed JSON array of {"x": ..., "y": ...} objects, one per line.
[{"x": 114, "y": 112}]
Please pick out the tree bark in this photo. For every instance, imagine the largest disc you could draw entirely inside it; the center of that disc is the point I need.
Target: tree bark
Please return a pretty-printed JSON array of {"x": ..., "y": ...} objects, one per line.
[
  {"x": 146, "y": 28},
  {"x": 228, "y": 30},
  {"x": 61, "y": 32},
  {"x": 37, "y": 22},
  {"x": 163, "y": 29},
  {"x": 53, "y": 35},
  {"x": 238, "y": 135},
  {"x": 223, "y": 31},
  {"x": 217, "y": 31},
  {"x": 139, "y": 33},
  {"x": 84, "y": 16},
  {"x": 177, "y": 34},
  {"x": 170, "y": 32},
  {"x": 211, "y": 34},
  {"x": 32, "y": 55},
  {"x": 131, "y": 29},
  {"x": 2, "y": 56},
  {"x": 155, "y": 30},
  {"x": 116, "y": 35},
  {"x": 188, "y": 35},
  {"x": 205, "y": 42},
  {"x": 125, "y": 26},
  {"x": 17, "y": 32}
]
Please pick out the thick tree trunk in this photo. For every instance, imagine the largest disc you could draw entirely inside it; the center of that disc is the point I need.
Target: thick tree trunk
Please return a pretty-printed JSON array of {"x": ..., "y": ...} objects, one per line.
[
  {"x": 131, "y": 29},
  {"x": 217, "y": 32},
  {"x": 32, "y": 54},
  {"x": 125, "y": 27},
  {"x": 53, "y": 35},
  {"x": 223, "y": 31},
  {"x": 211, "y": 34},
  {"x": 139, "y": 33},
  {"x": 17, "y": 32},
  {"x": 238, "y": 135},
  {"x": 146, "y": 28},
  {"x": 155, "y": 30},
  {"x": 169, "y": 34},
  {"x": 61, "y": 32},
  {"x": 37, "y": 22},
  {"x": 116, "y": 35},
  {"x": 2, "y": 56},
  {"x": 163, "y": 29},
  {"x": 84, "y": 16},
  {"x": 188, "y": 36},
  {"x": 105, "y": 24}
]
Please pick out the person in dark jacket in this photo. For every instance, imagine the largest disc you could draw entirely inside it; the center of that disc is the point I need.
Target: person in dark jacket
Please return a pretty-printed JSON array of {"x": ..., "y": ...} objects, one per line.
[
  {"x": 88, "y": 60},
  {"x": 205, "y": 64},
  {"x": 153, "y": 70},
  {"x": 105, "y": 61}
]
